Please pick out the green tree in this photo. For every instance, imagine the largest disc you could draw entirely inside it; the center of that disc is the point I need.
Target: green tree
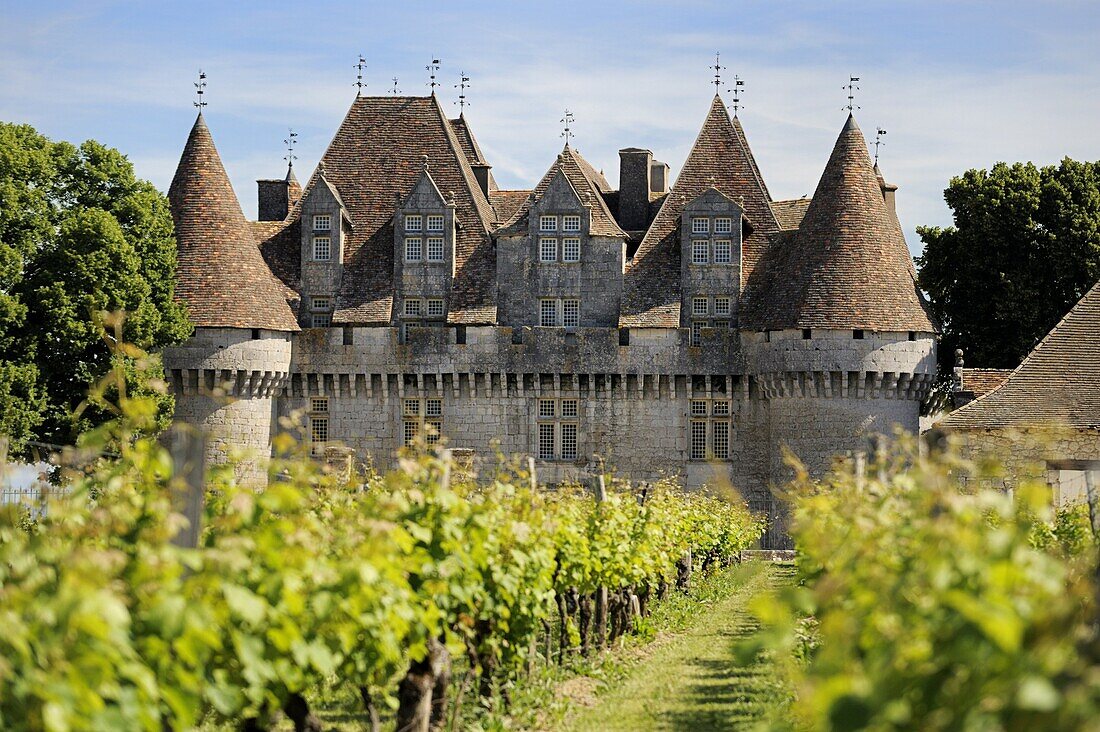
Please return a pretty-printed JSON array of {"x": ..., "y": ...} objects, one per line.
[
  {"x": 79, "y": 234},
  {"x": 1024, "y": 248}
]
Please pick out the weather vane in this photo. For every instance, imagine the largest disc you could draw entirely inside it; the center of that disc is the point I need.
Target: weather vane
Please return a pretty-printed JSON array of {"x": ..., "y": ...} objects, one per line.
[
  {"x": 200, "y": 89},
  {"x": 290, "y": 142},
  {"x": 567, "y": 132},
  {"x": 395, "y": 90},
  {"x": 359, "y": 83},
  {"x": 433, "y": 67},
  {"x": 852, "y": 88},
  {"x": 462, "y": 86},
  {"x": 878, "y": 142},
  {"x": 717, "y": 73},
  {"x": 738, "y": 87}
]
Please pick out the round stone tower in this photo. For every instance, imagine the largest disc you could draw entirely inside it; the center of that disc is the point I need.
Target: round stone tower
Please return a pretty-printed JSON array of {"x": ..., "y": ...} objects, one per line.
[
  {"x": 226, "y": 376},
  {"x": 840, "y": 342}
]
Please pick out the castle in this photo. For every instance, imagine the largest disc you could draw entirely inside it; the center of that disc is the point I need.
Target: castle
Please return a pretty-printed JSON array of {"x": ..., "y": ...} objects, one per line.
[{"x": 690, "y": 329}]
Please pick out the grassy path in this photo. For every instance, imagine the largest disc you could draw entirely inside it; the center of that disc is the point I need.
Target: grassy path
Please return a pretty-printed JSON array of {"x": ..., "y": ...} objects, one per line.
[{"x": 694, "y": 681}]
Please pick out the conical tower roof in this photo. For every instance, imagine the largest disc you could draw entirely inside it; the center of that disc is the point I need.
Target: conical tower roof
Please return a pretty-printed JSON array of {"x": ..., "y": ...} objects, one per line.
[
  {"x": 222, "y": 276},
  {"x": 847, "y": 266}
]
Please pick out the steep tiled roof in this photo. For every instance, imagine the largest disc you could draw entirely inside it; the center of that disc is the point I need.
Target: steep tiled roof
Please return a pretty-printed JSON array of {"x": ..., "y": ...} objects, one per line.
[
  {"x": 222, "y": 276},
  {"x": 983, "y": 381},
  {"x": 280, "y": 244},
  {"x": 1058, "y": 383},
  {"x": 720, "y": 158},
  {"x": 467, "y": 141},
  {"x": 507, "y": 203},
  {"x": 589, "y": 185},
  {"x": 847, "y": 266},
  {"x": 377, "y": 156},
  {"x": 790, "y": 213}
]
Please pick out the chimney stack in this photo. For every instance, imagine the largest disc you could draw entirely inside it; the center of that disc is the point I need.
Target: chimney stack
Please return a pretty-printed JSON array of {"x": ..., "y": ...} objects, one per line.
[
  {"x": 658, "y": 177},
  {"x": 635, "y": 184},
  {"x": 277, "y": 196},
  {"x": 483, "y": 175},
  {"x": 888, "y": 191}
]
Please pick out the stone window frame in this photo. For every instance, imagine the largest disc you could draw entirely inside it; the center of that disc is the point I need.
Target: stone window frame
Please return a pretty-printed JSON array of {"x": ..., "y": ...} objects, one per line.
[
  {"x": 700, "y": 224},
  {"x": 421, "y": 416},
  {"x": 571, "y": 249},
  {"x": 319, "y": 433},
  {"x": 410, "y": 308},
  {"x": 433, "y": 307},
  {"x": 696, "y": 311},
  {"x": 322, "y": 248},
  {"x": 546, "y": 254},
  {"x": 697, "y": 332},
  {"x": 322, "y": 222},
  {"x": 570, "y": 312},
  {"x": 545, "y": 219},
  {"x": 557, "y": 436},
  {"x": 418, "y": 242},
  {"x": 434, "y": 246},
  {"x": 700, "y": 251},
  {"x": 320, "y": 311},
  {"x": 723, "y": 312},
  {"x": 414, "y": 223},
  {"x": 548, "y": 306},
  {"x": 723, "y": 225},
  {"x": 571, "y": 223},
  {"x": 723, "y": 251},
  {"x": 710, "y": 429},
  {"x": 439, "y": 219}
]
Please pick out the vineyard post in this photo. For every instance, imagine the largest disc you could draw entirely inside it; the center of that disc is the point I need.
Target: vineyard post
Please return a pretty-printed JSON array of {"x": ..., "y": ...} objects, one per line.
[
  {"x": 188, "y": 449},
  {"x": 601, "y": 592},
  {"x": 531, "y": 473}
]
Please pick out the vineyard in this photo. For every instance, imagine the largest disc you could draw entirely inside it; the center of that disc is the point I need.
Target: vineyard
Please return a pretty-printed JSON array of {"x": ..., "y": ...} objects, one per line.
[{"x": 375, "y": 585}]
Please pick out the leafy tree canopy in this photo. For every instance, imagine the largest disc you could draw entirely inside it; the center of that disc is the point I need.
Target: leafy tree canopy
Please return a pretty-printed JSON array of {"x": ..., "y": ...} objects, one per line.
[
  {"x": 79, "y": 234},
  {"x": 1024, "y": 248}
]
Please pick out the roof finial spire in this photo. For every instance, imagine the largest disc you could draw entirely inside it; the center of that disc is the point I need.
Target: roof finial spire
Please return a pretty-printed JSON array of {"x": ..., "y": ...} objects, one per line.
[
  {"x": 433, "y": 67},
  {"x": 200, "y": 89},
  {"x": 359, "y": 83},
  {"x": 395, "y": 91},
  {"x": 462, "y": 86},
  {"x": 879, "y": 134},
  {"x": 290, "y": 142},
  {"x": 738, "y": 88},
  {"x": 852, "y": 88},
  {"x": 718, "y": 67},
  {"x": 567, "y": 131}
]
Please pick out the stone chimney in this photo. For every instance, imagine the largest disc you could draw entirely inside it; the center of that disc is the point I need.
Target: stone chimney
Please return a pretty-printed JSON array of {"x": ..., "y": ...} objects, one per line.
[
  {"x": 277, "y": 196},
  {"x": 635, "y": 171},
  {"x": 658, "y": 177},
  {"x": 483, "y": 175},
  {"x": 888, "y": 191}
]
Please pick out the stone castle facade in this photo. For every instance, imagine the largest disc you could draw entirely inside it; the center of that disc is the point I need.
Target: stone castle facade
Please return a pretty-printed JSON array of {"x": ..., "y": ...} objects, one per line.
[{"x": 689, "y": 330}]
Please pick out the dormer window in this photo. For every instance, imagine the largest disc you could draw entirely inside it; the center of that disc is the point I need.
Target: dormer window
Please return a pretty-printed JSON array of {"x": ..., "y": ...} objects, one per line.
[
  {"x": 700, "y": 225},
  {"x": 322, "y": 247},
  {"x": 723, "y": 251},
  {"x": 412, "y": 308},
  {"x": 723, "y": 225},
  {"x": 435, "y": 246},
  {"x": 435, "y": 222},
  {"x": 570, "y": 249},
  {"x": 548, "y": 250},
  {"x": 548, "y": 223},
  {"x": 414, "y": 247},
  {"x": 722, "y": 306},
  {"x": 321, "y": 312},
  {"x": 571, "y": 223},
  {"x": 699, "y": 306},
  {"x": 322, "y": 222},
  {"x": 700, "y": 251},
  {"x": 414, "y": 222},
  {"x": 435, "y": 308}
]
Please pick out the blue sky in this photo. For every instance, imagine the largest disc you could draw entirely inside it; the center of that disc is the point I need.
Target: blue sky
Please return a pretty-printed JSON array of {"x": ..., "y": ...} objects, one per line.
[{"x": 955, "y": 84}]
